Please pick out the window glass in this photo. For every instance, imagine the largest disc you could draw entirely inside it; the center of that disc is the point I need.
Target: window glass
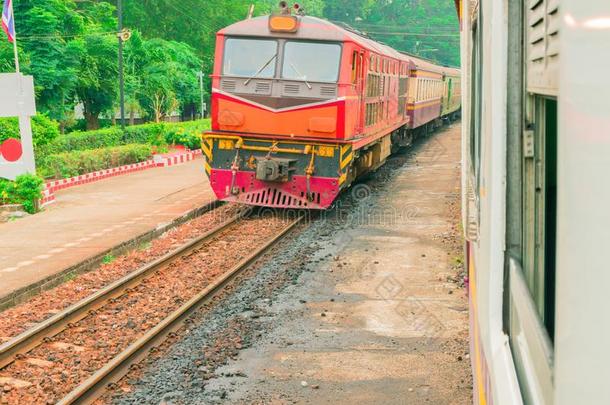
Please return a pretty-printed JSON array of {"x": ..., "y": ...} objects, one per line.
[
  {"x": 250, "y": 57},
  {"x": 311, "y": 61}
]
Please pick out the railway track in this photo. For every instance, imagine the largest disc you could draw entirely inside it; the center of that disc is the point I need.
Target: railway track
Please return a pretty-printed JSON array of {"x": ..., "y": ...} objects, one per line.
[{"x": 87, "y": 375}]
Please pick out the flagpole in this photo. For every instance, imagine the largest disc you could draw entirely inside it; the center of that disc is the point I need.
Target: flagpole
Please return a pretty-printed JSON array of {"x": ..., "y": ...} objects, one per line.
[{"x": 14, "y": 38}]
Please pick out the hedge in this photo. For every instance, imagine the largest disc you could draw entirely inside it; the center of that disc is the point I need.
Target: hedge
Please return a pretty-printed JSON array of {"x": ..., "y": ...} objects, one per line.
[
  {"x": 25, "y": 190},
  {"x": 74, "y": 163},
  {"x": 182, "y": 133},
  {"x": 44, "y": 129},
  {"x": 186, "y": 133}
]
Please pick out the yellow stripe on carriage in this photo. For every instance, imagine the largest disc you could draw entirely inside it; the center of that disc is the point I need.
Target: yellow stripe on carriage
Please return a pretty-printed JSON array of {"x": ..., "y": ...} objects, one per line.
[
  {"x": 412, "y": 107},
  {"x": 477, "y": 345}
]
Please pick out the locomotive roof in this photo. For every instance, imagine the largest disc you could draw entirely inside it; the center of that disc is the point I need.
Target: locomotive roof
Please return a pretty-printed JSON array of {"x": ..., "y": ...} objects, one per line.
[{"x": 317, "y": 29}]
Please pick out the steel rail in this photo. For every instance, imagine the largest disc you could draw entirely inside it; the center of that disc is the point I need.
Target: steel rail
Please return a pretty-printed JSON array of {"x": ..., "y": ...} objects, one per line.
[
  {"x": 31, "y": 338},
  {"x": 96, "y": 385}
]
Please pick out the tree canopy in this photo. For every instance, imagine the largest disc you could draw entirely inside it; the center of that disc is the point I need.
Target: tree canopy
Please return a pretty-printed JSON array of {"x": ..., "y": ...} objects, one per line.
[{"x": 70, "y": 46}]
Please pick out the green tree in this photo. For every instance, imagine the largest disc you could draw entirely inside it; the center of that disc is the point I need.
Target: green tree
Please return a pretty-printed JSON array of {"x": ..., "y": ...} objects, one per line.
[
  {"x": 427, "y": 28},
  {"x": 97, "y": 80},
  {"x": 49, "y": 50},
  {"x": 349, "y": 10},
  {"x": 162, "y": 75},
  {"x": 97, "y": 85}
]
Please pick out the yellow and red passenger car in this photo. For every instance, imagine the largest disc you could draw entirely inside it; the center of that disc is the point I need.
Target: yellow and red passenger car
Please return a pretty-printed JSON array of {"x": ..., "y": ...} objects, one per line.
[{"x": 301, "y": 107}]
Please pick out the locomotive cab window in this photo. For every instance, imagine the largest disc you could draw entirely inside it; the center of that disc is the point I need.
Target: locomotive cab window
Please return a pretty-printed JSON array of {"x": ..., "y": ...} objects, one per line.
[
  {"x": 250, "y": 57},
  {"x": 311, "y": 61}
]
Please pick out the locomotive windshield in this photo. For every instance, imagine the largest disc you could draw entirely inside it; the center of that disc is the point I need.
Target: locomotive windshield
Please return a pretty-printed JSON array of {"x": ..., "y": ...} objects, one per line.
[
  {"x": 250, "y": 57},
  {"x": 311, "y": 61},
  {"x": 301, "y": 60}
]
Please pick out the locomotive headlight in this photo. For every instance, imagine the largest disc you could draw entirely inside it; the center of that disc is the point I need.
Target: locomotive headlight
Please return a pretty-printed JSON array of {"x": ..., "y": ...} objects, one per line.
[{"x": 283, "y": 23}]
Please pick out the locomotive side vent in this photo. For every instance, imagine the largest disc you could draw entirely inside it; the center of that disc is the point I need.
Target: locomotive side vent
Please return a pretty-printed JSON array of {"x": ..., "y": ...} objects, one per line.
[
  {"x": 262, "y": 88},
  {"x": 328, "y": 91},
  {"x": 228, "y": 85},
  {"x": 292, "y": 88}
]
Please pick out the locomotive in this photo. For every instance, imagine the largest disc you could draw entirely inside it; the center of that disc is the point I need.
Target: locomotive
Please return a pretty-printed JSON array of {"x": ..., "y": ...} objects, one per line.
[{"x": 302, "y": 107}]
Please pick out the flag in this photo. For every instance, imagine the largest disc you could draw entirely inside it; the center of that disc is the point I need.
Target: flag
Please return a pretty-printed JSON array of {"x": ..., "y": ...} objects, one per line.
[{"x": 8, "y": 22}]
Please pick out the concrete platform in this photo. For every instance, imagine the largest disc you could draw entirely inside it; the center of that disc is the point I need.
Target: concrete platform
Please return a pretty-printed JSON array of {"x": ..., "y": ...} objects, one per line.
[{"x": 90, "y": 219}]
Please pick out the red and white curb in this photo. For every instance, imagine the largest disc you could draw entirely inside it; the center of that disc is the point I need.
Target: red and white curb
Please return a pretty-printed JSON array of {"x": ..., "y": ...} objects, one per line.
[
  {"x": 165, "y": 160},
  {"x": 56, "y": 185},
  {"x": 175, "y": 159},
  {"x": 47, "y": 198}
]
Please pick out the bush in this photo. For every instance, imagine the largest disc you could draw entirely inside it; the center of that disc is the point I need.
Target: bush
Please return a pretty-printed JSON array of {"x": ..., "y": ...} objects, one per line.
[
  {"x": 25, "y": 190},
  {"x": 160, "y": 135},
  {"x": 186, "y": 133},
  {"x": 44, "y": 129},
  {"x": 9, "y": 128},
  {"x": 69, "y": 164}
]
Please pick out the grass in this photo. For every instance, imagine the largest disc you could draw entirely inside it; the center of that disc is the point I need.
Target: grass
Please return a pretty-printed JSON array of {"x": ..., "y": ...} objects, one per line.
[{"x": 108, "y": 259}]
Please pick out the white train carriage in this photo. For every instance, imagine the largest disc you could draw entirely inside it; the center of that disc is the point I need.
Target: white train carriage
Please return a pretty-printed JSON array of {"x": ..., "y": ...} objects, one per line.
[{"x": 536, "y": 198}]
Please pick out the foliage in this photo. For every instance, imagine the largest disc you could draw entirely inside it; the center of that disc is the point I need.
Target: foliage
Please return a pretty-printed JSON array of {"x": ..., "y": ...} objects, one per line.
[
  {"x": 182, "y": 133},
  {"x": 9, "y": 128},
  {"x": 25, "y": 190},
  {"x": 44, "y": 129},
  {"x": 186, "y": 133},
  {"x": 348, "y": 10},
  {"x": 97, "y": 86},
  {"x": 162, "y": 76},
  {"x": 109, "y": 258},
  {"x": 50, "y": 50},
  {"x": 74, "y": 163},
  {"x": 70, "y": 47},
  {"x": 427, "y": 28}
]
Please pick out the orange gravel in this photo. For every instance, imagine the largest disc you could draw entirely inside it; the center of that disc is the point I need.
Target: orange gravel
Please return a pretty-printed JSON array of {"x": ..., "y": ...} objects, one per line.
[{"x": 53, "y": 369}]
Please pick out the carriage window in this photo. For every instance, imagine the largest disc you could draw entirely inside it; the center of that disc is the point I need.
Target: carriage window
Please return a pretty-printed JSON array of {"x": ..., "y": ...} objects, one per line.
[
  {"x": 250, "y": 57},
  {"x": 540, "y": 208},
  {"x": 476, "y": 93},
  {"x": 311, "y": 61}
]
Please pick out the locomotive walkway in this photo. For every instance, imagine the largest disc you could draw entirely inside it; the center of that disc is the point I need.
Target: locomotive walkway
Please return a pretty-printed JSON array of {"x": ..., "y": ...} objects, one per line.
[{"x": 88, "y": 220}]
